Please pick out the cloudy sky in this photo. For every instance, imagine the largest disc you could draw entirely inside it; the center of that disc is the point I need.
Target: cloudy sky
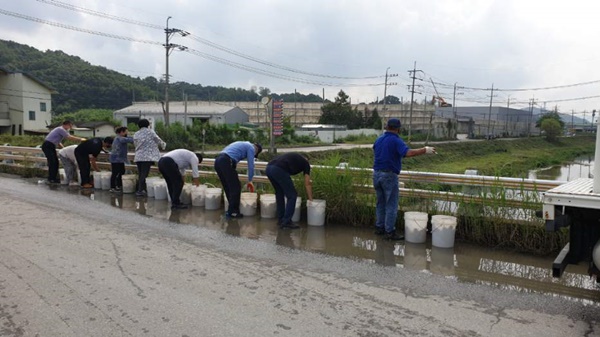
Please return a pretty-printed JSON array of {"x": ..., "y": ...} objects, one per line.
[{"x": 311, "y": 45}]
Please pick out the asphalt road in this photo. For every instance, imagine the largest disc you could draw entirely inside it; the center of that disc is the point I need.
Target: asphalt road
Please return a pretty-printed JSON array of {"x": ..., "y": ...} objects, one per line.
[{"x": 70, "y": 266}]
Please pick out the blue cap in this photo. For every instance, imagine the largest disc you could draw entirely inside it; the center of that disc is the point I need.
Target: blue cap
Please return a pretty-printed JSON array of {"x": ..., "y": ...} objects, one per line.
[{"x": 393, "y": 123}]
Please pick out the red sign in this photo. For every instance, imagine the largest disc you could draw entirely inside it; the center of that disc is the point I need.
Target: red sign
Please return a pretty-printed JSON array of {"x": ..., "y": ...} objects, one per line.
[{"x": 277, "y": 118}]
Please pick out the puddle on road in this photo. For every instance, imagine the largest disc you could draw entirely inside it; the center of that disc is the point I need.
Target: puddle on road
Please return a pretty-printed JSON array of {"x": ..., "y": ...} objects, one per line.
[{"x": 464, "y": 262}]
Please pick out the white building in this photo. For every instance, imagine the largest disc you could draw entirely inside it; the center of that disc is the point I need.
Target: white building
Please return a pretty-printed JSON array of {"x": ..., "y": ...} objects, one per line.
[
  {"x": 25, "y": 103},
  {"x": 93, "y": 129},
  {"x": 183, "y": 112}
]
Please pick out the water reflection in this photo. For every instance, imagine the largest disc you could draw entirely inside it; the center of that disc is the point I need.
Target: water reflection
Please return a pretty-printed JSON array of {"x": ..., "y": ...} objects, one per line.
[
  {"x": 464, "y": 262},
  {"x": 582, "y": 167}
]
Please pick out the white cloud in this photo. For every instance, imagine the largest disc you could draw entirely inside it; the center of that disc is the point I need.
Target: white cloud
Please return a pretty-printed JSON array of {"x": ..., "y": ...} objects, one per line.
[{"x": 510, "y": 43}]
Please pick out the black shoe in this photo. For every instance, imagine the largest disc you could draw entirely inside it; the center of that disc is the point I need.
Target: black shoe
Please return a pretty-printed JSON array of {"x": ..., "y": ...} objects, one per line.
[
  {"x": 234, "y": 215},
  {"x": 379, "y": 231},
  {"x": 289, "y": 225},
  {"x": 179, "y": 206},
  {"x": 393, "y": 236}
]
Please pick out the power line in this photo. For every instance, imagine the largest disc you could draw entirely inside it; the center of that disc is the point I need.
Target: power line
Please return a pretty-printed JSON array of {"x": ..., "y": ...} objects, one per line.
[
  {"x": 83, "y": 30},
  {"x": 273, "y": 74},
  {"x": 203, "y": 41},
  {"x": 97, "y": 13},
  {"x": 198, "y": 53}
]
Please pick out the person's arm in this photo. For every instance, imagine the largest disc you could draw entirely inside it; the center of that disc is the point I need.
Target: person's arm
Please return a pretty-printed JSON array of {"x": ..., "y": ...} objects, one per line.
[
  {"x": 60, "y": 145},
  {"x": 79, "y": 139},
  {"x": 421, "y": 151},
  {"x": 158, "y": 140},
  {"x": 308, "y": 186},
  {"x": 250, "y": 158},
  {"x": 194, "y": 162},
  {"x": 93, "y": 163}
]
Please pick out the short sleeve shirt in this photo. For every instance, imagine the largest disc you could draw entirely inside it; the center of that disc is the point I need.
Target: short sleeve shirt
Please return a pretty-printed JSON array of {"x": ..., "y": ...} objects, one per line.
[{"x": 293, "y": 163}]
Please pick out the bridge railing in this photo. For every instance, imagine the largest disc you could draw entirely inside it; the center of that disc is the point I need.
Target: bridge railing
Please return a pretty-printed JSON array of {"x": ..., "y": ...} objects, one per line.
[{"x": 27, "y": 156}]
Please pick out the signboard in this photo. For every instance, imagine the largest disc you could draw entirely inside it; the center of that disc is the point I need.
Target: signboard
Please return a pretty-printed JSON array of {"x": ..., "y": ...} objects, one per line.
[{"x": 277, "y": 118}]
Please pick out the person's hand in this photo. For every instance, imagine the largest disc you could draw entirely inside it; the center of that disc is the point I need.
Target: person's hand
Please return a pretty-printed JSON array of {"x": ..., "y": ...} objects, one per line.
[
  {"x": 250, "y": 186},
  {"x": 430, "y": 150},
  {"x": 82, "y": 140}
]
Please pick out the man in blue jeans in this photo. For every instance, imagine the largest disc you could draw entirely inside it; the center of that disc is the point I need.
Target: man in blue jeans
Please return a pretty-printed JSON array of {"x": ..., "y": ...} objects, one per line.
[
  {"x": 280, "y": 171},
  {"x": 389, "y": 149}
]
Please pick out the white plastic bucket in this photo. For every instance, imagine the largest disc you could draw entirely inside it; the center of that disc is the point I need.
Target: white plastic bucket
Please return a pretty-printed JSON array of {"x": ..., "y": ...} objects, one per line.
[
  {"x": 130, "y": 183},
  {"x": 268, "y": 206},
  {"x": 105, "y": 177},
  {"x": 212, "y": 199},
  {"x": 160, "y": 191},
  {"x": 415, "y": 227},
  {"x": 186, "y": 194},
  {"x": 198, "y": 195},
  {"x": 248, "y": 203},
  {"x": 443, "y": 229},
  {"x": 315, "y": 212},
  {"x": 150, "y": 182},
  {"x": 97, "y": 180}
]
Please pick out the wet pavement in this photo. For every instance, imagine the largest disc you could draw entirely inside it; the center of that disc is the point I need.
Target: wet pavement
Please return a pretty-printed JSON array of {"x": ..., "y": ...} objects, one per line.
[
  {"x": 85, "y": 263},
  {"x": 465, "y": 262}
]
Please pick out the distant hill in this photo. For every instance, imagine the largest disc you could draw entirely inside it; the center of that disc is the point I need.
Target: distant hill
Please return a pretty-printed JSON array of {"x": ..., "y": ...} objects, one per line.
[{"x": 82, "y": 85}]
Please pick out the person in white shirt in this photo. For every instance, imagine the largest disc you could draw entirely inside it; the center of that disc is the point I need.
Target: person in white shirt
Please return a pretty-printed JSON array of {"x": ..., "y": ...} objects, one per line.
[
  {"x": 172, "y": 166},
  {"x": 67, "y": 158}
]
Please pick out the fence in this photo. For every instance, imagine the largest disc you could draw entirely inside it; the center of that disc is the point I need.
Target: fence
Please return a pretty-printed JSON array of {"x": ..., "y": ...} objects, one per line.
[{"x": 27, "y": 157}]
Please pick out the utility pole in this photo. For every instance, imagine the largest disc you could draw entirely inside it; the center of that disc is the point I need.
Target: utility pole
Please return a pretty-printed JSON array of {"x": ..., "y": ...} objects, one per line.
[
  {"x": 168, "y": 49},
  {"x": 573, "y": 121},
  {"x": 413, "y": 74},
  {"x": 530, "y": 117},
  {"x": 490, "y": 112},
  {"x": 385, "y": 96}
]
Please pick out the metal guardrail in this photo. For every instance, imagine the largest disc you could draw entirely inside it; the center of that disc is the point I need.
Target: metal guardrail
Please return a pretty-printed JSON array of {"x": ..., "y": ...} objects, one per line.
[{"x": 35, "y": 155}]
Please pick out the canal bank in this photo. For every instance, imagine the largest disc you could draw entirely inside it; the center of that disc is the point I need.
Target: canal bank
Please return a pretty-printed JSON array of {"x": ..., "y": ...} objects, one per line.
[{"x": 71, "y": 266}]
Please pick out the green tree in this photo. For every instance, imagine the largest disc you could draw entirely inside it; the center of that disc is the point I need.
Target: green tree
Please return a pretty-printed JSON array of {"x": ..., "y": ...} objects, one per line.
[
  {"x": 338, "y": 112},
  {"x": 87, "y": 115},
  {"x": 552, "y": 128},
  {"x": 550, "y": 115}
]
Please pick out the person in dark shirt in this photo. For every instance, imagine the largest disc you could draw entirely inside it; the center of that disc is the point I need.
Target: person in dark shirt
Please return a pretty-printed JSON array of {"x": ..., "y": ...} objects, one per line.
[
  {"x": 389, "y": 149},
  {"x": 280, "y": 171},
  {"x": 86, "y": 153}
]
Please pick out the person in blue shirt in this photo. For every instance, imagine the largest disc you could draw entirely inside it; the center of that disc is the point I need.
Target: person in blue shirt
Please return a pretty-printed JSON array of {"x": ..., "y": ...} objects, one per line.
[
  {"x": 225, "y": 165},
  {"x": 389, "y": 149},
  {"x": 118, "y": 159}
]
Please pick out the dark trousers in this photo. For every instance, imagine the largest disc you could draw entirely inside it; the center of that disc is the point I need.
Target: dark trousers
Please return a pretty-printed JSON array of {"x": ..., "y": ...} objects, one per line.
[
  {"x": 284, "y": 188},
  {"x": 83, "y": 161},
  {"x": 116, "y": 177},
  {"x": 170, "y": 171},
  {"x": 49, "y": 150},
  {"x": 228, "y": 176},
  {"x": 143, "y": 171}
]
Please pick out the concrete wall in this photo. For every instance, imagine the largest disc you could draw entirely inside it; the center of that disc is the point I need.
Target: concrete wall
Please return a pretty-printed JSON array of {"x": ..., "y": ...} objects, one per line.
[
  {"x": 100, "y": 131},
  {"x": 328, "y": 136},
  {"x": 22, "y": 95},
  {"x": 35, "y": 94}
]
